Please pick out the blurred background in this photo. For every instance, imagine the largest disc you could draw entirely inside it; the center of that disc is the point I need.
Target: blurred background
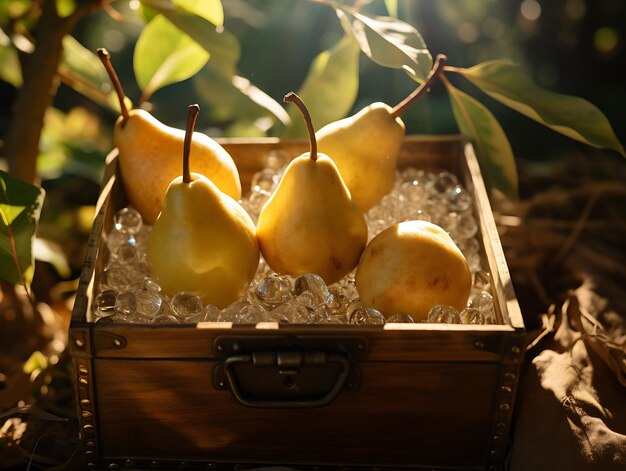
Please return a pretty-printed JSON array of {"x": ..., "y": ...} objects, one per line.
[{"x": 569, "y": 46}]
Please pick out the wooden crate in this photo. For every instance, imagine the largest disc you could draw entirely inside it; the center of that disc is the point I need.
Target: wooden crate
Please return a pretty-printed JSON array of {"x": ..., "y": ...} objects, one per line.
[{"x": 401, "y": 395}]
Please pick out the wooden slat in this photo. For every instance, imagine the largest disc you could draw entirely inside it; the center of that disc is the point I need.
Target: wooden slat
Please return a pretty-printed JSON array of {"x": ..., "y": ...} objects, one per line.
[
  {"x": 404, "y": 413},
  {"x": 418, "y": 342}
]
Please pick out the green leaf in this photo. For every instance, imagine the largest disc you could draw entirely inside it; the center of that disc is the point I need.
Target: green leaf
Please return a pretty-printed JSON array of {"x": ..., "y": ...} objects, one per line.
[
  {"x": 569, "y": 115},
  {"x": 387, "y": 41},
  {"x": 392, "y": 7},
  {"x": 211, "y": 10},
  {"x": 165, "y": 55},
  {"x": 238, "y": 95},
  {"x": 223, "y": 46},
  {"x": 82, "y": 70},
  {"x": 20, "y": 207},
  {"x": 37, "y": 361},
  {"x": 65, "y": 7},
  {"x": 330, "y": 87},
  {"x": 10, "y": 67},
  {"x": 50, "y": 252},
  {"x": 492, "y": 146}
]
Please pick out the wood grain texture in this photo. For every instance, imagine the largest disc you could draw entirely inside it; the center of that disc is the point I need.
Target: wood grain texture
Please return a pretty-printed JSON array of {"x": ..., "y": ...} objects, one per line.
[
  {"x": 420, "y": 343},
  {"x": 405, "y": 413}
]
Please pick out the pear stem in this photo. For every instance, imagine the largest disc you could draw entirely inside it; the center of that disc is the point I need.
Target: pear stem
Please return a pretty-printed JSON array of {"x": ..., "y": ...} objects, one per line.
[
  {"x": 291, "y": 97},
  {"x": 192, "y": 115},
  {"x": 405, "y": 104},
  {"x": 105, "y": 58}
]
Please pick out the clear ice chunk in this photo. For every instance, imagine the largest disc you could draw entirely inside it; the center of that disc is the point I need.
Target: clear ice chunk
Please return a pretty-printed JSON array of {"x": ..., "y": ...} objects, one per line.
[
  {"x": 185, "y": 304},
  {"x": 442, "y": 314},
  {"x": 400, "y": 319},
  {"x": 273, "y": 290},
  {"x": 126, "y": 303},
  {"x": 366, "y": 316},
  {"x": 128, "y": 220},
  {"x": 313, "y": 284}
]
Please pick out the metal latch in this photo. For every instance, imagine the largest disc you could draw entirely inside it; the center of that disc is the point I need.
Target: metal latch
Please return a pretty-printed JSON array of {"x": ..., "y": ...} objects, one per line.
[{"x": 293, "y": 377}]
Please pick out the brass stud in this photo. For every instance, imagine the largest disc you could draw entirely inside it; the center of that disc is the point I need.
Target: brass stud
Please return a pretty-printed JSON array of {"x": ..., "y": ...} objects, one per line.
[
  {"x": 129, "y": 464},
  {"x": 509, "y": 376},
  {"x": 479, "y": 345},
  {"x": 515, "y": 350},
  {"x": 80, "y": 343},
  {"x": 497, "y": 440},
  {"x": 500, "y": 427},
  {"x": 91, "y": 466},
  {"x": 219, "y": 348},
  {"x": 88, "y": 428},
  {"x": 506, "y": 390},
  {"x": 89, "y": 454},
  {"x": 90, "y": 444},
  {"x": 211, "y": 466},
  {"x": 114, "y": 466},
  {"x": 85, "y": 414},
  {"x": 83, "y": 381},
  {"x": 82, "y": 370},
  {"x": 494, "y": 453},
  {"x": 85, "y": 402},
  {"x": 117, "y": 342},
  {"x": 155, "y": 465},
  {"x": 504, "y": 407},
  {"x": 183, "y": 465}
]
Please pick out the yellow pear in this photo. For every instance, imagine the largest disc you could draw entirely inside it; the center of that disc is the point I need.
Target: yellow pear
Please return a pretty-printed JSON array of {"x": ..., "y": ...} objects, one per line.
[
  {"x": 365, "y": 146},
  {"x": 149, "y": 156},
  {"x": 410, "y": 267},
  {"x": 203, "y": 241},
  {"x": 310, "y": 224}
]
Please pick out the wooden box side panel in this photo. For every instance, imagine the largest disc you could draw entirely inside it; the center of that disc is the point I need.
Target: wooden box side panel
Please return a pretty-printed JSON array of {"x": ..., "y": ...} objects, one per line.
[
  {"x": 431, "y": 152},
  {"x": 404, "y": 413}
]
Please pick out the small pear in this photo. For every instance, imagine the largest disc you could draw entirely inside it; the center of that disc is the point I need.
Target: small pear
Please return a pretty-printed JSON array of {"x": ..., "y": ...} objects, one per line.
[
  {"x": 410, "y": 267},
  {"x": 149, "y": 156},
  {"x": 203, "y": 241},
  {"x": 365, "y": 146},
  {"x": 310, "y": 224}
]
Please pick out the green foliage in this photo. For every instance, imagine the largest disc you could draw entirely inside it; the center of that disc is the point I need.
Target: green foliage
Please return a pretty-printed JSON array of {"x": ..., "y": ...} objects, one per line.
[
  {"x": 387, "y": 41},
  {"x": 571, "y": 116},
  {"x": 330, "y": 87},
  {"x": 224, "y": 51},
  {"x": 83, "y": 71},
  {"x": 165, "y": 55},
  {"x": 65, "y": 7},
  {"x": 10, "y": 70},
  {"x": 220, "y": 44},
  {"x": 20, "y": 207},
  {"x": 492, "y": 146}
]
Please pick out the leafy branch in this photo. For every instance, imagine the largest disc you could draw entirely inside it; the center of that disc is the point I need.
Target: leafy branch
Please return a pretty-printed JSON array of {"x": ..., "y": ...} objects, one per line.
[{"x": 393, "y": 43}]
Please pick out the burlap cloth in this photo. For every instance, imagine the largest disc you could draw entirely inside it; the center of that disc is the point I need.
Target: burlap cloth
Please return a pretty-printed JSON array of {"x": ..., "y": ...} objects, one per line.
[{"x": 571, "y": 410}]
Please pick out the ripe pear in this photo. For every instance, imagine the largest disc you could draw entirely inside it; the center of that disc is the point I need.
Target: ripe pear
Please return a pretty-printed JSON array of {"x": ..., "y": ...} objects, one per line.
[
  {"x": 203, "y": 241},
  {"x": 410, "y": 267},
  {"x": 149, "y": 156},
  {"x": 311, "y": 224},
  {"x": 365, "y": 146}
]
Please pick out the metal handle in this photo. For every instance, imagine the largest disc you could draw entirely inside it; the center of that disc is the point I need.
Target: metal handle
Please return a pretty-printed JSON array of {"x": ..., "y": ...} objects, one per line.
[{"x": 286, "y": 362}]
